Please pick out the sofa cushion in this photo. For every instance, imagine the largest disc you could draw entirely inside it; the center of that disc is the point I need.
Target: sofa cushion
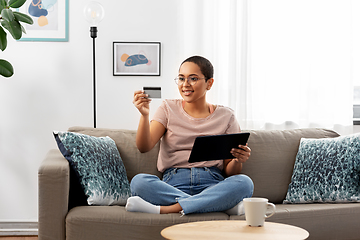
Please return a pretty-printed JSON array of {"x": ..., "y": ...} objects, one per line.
[
  {"x": 135, "y": 162},
  {"x": 272, "y": 159},
  {"x": 326, "y": 170},
  {"x": 114, "y": 222},
  {"x": 98, "y": 165}
]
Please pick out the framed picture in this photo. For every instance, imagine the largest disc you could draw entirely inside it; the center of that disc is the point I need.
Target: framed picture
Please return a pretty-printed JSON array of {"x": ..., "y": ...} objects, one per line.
[
  {"x": 136, "y": 58},
  {"x": 51, "y": 20}
]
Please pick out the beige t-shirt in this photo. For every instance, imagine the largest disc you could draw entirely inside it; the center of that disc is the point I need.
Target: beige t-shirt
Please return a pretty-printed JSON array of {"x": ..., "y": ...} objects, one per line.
[{"x": 182, "y": 129}]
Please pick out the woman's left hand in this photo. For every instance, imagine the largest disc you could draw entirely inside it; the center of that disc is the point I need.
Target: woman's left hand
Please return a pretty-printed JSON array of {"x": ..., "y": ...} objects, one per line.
[{"x": 241, "y": 154}]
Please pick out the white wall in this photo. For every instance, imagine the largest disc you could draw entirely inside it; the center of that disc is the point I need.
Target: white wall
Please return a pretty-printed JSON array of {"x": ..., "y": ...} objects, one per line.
[{"x": 52, "y": 90}]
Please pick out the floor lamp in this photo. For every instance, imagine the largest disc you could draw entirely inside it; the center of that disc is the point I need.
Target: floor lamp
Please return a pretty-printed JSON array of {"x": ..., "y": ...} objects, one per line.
[{"x": 94, "y": 13}]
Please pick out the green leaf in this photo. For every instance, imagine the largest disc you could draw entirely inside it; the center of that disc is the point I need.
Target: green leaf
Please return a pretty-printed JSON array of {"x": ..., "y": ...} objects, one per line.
[
  {"x": 23, "y": 29},
  {"x": 3, "y": 3},
  {"x": 16, "y": 3},
  {"x": 6, "y": 69},
  {"x": 21, "y": 17},
  {"x": 13, "y": 27},
  {"x": 7, "y": 14},
  {"x": 3, "y": 40}
]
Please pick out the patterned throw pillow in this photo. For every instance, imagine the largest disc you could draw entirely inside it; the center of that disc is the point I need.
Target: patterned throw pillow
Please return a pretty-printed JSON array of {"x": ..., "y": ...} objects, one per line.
[
  {"x": 326, "y": 170},
  {"x": 98, "y": 165}
]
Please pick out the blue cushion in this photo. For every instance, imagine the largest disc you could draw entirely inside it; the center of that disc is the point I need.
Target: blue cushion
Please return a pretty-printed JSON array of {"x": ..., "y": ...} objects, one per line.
[
  {"x": 98, "y": 165},
  {"x": 326, "y": 170}
]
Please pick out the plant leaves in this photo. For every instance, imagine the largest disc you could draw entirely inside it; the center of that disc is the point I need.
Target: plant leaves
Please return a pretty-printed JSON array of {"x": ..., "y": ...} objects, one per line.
[
  {"x": 16, "y": 3},
  {"x": 3, "y": 4},
  {"x": 3, "y": 40},
  {"x": 13, "y": 27},
  {"x": 7, "y": 14},
  {"x": 21, "y": 17},
  {"x": 6, "y": 68},
  {"x": 23, "y": 29},
  {"x": 1, "y": 7}
]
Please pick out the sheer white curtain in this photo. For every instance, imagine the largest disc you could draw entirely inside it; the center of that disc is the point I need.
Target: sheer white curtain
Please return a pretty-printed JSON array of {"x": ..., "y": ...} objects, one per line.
[{"x": 279, "y": 63}]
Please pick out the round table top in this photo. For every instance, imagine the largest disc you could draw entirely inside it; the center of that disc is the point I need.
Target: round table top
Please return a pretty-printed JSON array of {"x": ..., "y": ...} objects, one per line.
[{"x": 233, "y": 229}]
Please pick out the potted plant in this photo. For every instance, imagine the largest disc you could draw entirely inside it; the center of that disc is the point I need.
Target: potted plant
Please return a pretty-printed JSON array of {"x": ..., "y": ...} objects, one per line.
[{"x": 10, "y": 20}]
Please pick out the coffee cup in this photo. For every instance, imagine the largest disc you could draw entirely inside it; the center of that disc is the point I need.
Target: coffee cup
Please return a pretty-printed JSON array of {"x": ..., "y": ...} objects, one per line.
[{"x": 255, "y": 211}]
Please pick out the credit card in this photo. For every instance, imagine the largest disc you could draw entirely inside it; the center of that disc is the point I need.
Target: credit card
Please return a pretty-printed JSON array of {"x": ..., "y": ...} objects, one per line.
[{"x": 153, "y": 92}]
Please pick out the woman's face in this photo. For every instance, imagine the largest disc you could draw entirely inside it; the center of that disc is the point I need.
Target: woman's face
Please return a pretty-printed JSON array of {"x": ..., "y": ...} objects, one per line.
[{"x": 192, "y": 93}]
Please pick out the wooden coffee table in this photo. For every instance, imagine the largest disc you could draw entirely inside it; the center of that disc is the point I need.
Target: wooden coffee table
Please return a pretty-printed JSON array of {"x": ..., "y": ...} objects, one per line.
[{"x": 233, "y": 229}]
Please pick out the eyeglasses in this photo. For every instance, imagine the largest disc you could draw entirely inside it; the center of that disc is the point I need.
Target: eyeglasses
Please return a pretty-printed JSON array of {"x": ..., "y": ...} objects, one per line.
[{"x": 191, "y": 80}]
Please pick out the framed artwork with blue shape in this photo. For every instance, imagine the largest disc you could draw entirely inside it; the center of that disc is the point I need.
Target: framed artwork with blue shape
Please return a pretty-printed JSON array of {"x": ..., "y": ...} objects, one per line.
[
  {"x": 51, "y": 20},
  {"x": 136, "y": 58}
]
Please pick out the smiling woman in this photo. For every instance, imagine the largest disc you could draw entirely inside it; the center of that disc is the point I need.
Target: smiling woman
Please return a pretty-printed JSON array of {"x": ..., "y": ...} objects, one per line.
[
  {"x": 194, "y": 88},
  {"x": 178, "y": 122}
]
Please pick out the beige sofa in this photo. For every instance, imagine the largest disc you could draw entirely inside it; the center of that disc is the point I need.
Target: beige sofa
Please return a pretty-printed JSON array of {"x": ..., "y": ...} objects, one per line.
[{"x": 62, "y": 216}]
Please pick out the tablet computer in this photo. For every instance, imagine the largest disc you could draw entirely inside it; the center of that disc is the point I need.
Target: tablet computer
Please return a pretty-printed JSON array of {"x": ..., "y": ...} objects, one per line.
[{"x": 216, "y": 147}]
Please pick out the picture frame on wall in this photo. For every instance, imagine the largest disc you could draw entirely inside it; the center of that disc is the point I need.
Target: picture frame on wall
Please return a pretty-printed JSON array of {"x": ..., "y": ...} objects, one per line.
[
  {"x": 51, "y": 20},
  {"x": 136, "y": 58}
]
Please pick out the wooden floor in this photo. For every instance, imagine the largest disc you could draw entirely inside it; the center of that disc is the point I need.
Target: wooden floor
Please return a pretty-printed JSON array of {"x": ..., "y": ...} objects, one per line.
[{"x": 19, "y": 238}]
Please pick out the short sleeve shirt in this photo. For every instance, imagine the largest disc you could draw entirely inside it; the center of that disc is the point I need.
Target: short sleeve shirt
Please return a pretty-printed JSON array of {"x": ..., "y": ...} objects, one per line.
[{"x": 182, "y": 129}]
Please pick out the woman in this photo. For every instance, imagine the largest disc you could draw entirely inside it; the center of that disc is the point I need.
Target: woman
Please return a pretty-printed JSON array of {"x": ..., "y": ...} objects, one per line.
[{"x": 188, "y": 187}]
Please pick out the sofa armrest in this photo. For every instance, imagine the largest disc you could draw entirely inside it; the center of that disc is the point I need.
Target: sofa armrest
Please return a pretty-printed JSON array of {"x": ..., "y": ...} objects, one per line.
[{"x": 54, "y": 175}]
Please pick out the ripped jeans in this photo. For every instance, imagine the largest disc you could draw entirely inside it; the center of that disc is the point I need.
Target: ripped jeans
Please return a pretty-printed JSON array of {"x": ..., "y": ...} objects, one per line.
[{"x": 197, "y": 190}]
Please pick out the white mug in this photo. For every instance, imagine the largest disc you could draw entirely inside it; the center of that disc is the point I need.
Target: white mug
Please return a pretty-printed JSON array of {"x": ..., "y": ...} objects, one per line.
[{"x": 255, "y": 211}]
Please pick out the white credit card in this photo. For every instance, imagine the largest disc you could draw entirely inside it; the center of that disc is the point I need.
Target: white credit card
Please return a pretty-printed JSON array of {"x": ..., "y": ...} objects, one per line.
[{"x": 153, "y": 92}]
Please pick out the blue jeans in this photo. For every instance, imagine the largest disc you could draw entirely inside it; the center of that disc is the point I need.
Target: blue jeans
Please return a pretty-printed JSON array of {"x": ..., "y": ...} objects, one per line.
[{"x": 197, "y": 190}]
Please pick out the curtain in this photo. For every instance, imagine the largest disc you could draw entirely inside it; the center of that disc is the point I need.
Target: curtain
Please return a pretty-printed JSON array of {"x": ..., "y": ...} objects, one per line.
[{"x": 279, "y": 64}]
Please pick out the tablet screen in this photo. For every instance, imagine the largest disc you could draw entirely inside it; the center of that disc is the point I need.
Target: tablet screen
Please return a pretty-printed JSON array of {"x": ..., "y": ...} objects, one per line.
[{"x": 216, "y": 147}]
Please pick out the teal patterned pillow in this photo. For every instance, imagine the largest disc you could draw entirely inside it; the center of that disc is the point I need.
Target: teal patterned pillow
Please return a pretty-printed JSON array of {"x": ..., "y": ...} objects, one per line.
[
  {"x": 98, "y": 165},
  {"x": 326, "y": 170}
]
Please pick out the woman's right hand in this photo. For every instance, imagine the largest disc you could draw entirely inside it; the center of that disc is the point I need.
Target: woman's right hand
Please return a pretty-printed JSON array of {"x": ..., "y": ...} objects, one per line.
[{"x": 141, "y": 102}]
